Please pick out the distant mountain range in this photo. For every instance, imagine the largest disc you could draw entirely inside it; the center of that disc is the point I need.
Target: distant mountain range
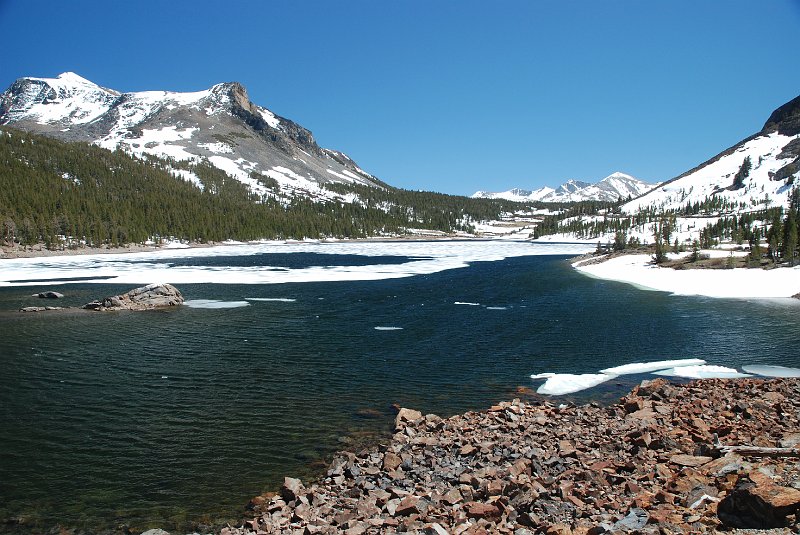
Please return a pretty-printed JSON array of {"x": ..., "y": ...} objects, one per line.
[
  {"x": 219, "y": 125},
  {"x": 612, "y": 188},
  {"x": 744, "y": 193}
]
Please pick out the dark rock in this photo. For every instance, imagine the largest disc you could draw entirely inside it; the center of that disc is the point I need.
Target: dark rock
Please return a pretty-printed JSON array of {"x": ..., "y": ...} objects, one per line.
[{"x": 758, "y": 506}]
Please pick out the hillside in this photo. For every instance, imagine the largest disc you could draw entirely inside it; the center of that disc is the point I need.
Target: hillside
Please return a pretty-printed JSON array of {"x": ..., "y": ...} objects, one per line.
[
  {"x": 744, "y": 195},
  {"x": 271, "y": 155},
  {"x": 72, "y": 194}
]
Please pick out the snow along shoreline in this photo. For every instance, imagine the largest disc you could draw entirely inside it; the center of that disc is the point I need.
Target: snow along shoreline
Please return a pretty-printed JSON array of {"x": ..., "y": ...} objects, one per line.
[{"x": 739, "y": 283}]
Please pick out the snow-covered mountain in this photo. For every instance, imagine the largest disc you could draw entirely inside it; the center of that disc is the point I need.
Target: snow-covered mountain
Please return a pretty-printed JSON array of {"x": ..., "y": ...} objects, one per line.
[
  {"x": 611, "y": 188},
  {"x": 220, "y": 125},
  {"x": 774, "y": 157}
]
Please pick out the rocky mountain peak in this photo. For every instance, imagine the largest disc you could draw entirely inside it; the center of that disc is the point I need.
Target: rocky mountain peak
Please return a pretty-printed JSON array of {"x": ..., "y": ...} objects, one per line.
[
  {"x": 785, "y": 120},
  {"x": 219, "y": 125}
]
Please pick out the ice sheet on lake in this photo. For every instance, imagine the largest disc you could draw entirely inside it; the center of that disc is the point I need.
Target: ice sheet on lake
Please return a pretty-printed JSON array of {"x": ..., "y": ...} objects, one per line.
[
  {"x": 213, "y": 303},
  {"x": 646, "y": 367},
  {"x": 388, "y": 328},
  {"x": 702, "y": 372},
  {"x": 771, "y": 371},
  {"x": 557, "y": 384},
  {"x": 425, "y": 257},
  {"x": 274, "y": 299},
  {"x": 467, "y": 303}
]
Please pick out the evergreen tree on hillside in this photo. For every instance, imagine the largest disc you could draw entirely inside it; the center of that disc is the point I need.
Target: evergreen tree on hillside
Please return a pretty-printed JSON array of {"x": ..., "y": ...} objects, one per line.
[
  {"x": 742, "y": 173},
  {"x": 790, "y": 237},
  {"x": 775, "y": 237}
]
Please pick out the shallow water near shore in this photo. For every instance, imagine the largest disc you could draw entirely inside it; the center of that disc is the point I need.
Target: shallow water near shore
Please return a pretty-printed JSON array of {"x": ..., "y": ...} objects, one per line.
[{"x": 176, "y": 418}]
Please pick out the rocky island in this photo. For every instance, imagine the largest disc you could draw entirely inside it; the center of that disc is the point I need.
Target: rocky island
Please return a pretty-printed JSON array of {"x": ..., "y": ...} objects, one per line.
[
  {"x": 148, "y": 297},
  {"x": 700, "y": 457}
]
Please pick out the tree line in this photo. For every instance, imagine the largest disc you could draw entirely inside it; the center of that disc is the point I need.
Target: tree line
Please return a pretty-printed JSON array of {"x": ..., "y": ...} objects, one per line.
[{"x": 63, "y": 194}]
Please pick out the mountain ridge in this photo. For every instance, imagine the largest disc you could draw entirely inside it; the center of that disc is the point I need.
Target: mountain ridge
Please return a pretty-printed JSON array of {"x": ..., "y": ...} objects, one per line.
[
  {"x": 219, "y": 125},
  {"x": 611, "y": 188}
]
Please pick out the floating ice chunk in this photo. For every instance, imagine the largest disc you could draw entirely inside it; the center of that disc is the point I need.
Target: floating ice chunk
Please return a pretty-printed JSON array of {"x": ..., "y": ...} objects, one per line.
[
  {"x": 645, "y": 367},
  {"x": 772, "y": 371},
  {"x": 274, "y": 299},
  {"x": 467, "y": 303},
  {"x": 702, "y": 372},
  {"x": 567, "y": 383},
  {"x": 388, "y": 328},
  {"x": 214, "y": 303},
  {"x": 496, "y": 308}
]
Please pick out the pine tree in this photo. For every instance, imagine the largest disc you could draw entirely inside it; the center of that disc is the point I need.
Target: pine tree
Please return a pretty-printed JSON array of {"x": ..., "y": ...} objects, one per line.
[
  {"x": 790, "y": 237},
  {"x": 742, "y": 173}
]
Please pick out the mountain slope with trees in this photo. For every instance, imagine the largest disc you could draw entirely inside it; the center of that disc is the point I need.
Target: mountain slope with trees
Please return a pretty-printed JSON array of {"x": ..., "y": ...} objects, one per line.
[
  {"x": 67, "y": 194},
  {"x": 746, "y": 195}
]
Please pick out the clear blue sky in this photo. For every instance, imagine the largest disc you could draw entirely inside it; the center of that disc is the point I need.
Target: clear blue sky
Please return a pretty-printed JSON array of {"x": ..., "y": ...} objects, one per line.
[{"x": 448, "y": 95}]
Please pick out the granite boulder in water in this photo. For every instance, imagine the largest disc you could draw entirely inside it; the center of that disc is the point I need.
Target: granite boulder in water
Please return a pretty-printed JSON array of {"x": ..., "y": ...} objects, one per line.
[{"x": 144, "y": 298}]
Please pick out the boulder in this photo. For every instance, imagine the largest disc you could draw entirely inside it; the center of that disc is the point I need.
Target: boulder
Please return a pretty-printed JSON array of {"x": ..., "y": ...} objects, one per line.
[
  {"x": 145, "y": 298},
  {"x": 758, "y": 506},
  {"x": 405, "y": 417}
]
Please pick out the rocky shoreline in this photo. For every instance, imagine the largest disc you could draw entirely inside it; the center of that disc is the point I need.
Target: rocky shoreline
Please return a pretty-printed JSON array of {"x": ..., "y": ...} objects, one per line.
[{"x": 662, "y": 460}]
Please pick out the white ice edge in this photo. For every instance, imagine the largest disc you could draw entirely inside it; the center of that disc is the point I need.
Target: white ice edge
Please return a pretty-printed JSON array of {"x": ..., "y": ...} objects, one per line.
[
  {"x": 427, "y": 257},
  {"x": 645, "y": 367},
  {"x": 380, "y": 328},
  {"x": 703, "y": 372},
  {"x": 766, "y": 370},
  {"x": 214, "y": 303},
  {"x": 638, "y": 270},
  {"x": 568, "y": 383},
  {"x": 557, "y": 384}
]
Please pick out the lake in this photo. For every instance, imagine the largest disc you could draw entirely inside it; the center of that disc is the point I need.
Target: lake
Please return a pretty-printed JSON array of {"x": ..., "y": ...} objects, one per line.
[{"x": 288, "y": 353}]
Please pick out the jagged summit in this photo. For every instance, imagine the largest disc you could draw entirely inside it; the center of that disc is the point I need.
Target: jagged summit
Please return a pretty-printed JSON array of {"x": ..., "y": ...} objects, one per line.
[
  {"x": 611, "y": 188},
  {"x": 785, "y": 120},
  {"x": 271, "y": 154}
]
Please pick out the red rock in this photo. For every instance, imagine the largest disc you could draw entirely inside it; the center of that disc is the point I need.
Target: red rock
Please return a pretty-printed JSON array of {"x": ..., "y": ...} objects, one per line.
[
  {"x": 558, "y": 529},
  {"x": 407, "y": 506},
  {"x": 391, "y": 461},
  {"x": 406, "y": 416},
  {"x": 291, "y": 489},
  {"x": 469, "y": 449},
  {"x": 481, "y": 510},
  {"x": 690, "y": 460}
]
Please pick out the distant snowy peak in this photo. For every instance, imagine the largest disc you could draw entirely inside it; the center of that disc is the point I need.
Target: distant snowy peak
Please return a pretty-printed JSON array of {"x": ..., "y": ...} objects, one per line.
[
  {"x": 219, "y": 125},
  {"x": 67, "y": 99},
  {"x": 611, "y": 188}
]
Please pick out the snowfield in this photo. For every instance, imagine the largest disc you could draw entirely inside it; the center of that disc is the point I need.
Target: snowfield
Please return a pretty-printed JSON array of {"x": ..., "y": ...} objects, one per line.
[
  {"x": 425, "y": 257},
  {"x": 741, "y": 283}
]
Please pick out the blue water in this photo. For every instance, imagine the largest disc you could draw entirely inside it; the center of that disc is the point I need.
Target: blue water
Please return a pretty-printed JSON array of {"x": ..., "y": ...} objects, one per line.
[{"x": 176, "y": 418}]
